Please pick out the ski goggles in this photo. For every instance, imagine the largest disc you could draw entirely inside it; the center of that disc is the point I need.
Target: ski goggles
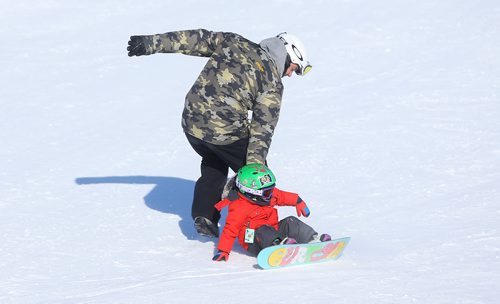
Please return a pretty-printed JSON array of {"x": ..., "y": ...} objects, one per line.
[
  {"x": 265, "y": 193},
  {"x": 304, "y": 70},
  {"x": 301, "y": 69}
]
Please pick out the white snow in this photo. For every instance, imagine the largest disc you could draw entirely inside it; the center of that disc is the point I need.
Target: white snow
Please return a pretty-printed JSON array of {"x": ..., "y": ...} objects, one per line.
[{"x": 393, "y": 139}]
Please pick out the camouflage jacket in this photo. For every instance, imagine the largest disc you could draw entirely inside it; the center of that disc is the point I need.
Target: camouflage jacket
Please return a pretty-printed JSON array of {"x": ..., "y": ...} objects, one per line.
[{"x": 239, "y": 77}]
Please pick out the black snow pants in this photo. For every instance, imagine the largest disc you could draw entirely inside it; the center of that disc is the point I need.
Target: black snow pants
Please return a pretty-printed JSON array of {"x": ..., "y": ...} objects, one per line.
[
  {"x": 291, "y": 227},
  {"x": 215, "y": 163}
]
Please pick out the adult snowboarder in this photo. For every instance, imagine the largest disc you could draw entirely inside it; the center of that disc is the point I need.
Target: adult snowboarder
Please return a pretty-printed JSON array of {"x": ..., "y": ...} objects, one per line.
[{"x": 240, "y": 77}]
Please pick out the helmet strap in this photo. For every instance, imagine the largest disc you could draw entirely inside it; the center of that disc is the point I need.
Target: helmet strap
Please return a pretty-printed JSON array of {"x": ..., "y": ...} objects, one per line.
[{"x": 288, "y": 62}]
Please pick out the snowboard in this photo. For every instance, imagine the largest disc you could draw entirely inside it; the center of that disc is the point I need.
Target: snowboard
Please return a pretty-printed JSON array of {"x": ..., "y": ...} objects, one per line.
[{"x": 301, "y": 254}]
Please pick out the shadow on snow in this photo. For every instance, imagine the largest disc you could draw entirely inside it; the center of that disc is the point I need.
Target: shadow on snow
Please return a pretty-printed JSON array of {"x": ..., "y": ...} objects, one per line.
[{"x": 170, "y": 195}]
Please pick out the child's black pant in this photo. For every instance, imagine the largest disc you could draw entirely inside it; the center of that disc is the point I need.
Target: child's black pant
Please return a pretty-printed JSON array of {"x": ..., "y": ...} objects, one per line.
[{"x": 291, "y": 227}]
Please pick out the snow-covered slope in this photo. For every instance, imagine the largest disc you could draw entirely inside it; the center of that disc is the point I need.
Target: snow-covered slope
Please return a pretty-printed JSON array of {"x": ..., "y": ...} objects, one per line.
[{"x": 392, "y": 139}]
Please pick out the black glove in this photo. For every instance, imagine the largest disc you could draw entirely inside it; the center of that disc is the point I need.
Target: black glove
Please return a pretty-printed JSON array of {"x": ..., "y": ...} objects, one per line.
[{"x": 136, "y": 46}]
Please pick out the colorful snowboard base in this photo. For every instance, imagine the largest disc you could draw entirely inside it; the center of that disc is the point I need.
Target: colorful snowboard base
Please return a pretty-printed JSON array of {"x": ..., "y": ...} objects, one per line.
[{"x": 301, "y": 254}]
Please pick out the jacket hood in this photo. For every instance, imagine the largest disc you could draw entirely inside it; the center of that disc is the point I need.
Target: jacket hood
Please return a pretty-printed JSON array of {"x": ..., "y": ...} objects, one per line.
[{"x": 277, "y": 51}]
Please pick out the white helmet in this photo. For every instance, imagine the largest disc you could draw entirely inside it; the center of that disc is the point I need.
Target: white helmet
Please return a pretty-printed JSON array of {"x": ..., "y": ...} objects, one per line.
[{"x": 296, "y": 52}]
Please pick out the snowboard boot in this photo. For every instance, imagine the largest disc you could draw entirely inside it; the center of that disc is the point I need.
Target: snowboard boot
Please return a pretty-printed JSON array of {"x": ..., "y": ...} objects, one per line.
[
  {"x": 288, "y": 241},
  {"x": 205, "y": 227},
  {"x": 285, "y": 241},
  {"x": 325, "y": 237}
]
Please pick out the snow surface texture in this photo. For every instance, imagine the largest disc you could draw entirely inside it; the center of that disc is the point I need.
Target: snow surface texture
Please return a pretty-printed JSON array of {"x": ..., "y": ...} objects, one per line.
[{"x": 393, "y": 139}]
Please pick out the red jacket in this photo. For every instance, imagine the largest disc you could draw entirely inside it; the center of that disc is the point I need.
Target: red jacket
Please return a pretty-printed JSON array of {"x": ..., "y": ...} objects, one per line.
[{"x": 243, "y": 214}]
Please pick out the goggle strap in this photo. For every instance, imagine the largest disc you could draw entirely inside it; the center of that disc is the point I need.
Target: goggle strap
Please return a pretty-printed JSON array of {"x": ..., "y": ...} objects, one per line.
[{"x": 249, "y": 190}]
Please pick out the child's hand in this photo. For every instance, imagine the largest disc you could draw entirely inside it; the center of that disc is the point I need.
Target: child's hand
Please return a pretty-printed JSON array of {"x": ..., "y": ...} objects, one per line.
[
  {"x": 302, "y": 209},
  {"x": 221, "y": 256}
]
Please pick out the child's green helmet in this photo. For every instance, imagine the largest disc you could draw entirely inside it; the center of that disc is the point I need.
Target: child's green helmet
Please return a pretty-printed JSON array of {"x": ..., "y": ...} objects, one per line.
[{"x": 256, "y": 182}]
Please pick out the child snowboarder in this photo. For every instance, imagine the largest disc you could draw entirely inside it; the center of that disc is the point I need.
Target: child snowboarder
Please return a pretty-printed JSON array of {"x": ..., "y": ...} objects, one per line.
[{"x": 253, "y": 218}]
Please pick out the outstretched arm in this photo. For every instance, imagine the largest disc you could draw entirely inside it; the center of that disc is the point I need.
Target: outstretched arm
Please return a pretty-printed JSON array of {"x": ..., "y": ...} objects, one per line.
[
  {"x": 234, "y": 222},
  {"x": 189, "y": 42},
  {"x": 284, "y": 198}
]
